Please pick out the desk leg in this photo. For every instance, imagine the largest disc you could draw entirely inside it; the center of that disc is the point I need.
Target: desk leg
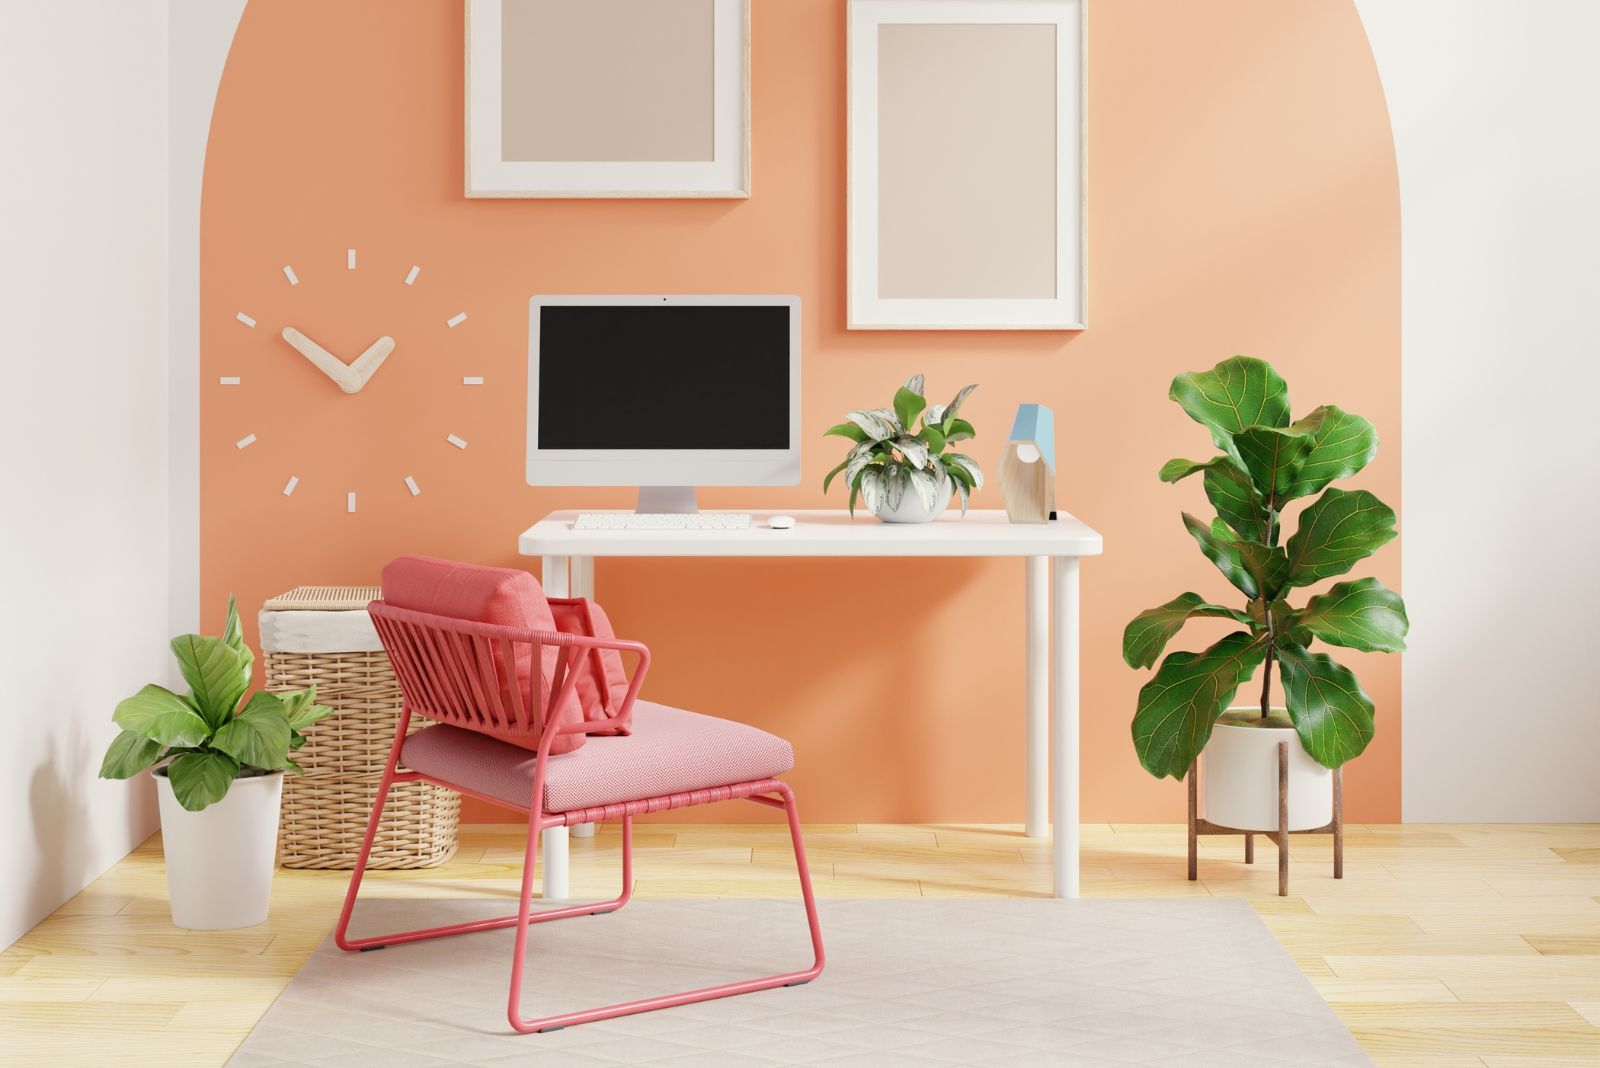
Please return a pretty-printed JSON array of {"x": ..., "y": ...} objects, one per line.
[
  {"x": 555, "y": 577},
  {"x": 1064, "y": 726},
  {"x": 581, "y": 583},
  {"x": 1037, "y": 708}
]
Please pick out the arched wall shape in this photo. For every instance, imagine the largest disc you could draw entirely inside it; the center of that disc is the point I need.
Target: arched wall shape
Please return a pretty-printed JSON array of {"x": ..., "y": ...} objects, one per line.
[{"x": 1242, "y": 197}]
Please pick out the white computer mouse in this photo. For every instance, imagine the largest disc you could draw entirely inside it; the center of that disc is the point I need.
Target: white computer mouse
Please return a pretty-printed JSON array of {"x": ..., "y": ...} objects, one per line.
[{"x": 780, "y": 522}]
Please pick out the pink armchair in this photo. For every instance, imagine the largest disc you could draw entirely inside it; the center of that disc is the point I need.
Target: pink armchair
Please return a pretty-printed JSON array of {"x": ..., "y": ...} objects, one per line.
[{"x": 492, "y": 688}]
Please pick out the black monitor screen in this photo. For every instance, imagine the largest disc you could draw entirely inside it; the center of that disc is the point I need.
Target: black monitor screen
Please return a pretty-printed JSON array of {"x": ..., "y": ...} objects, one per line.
[{"x": 664, "y": 377}]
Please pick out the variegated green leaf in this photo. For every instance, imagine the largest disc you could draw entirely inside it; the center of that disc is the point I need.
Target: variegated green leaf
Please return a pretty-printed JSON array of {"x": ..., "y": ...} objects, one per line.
[
  {"x": 1144, "y": 639},
  {"x": 913, "y": 449},
  {"x": 1335, "y": 531},
  {"x": 873, "y": 490},
  {"x": 926, "y": 486},
  {"x": 958, "y": 430},
  {"x": 894, "y": 483},
  {"x": 1358, "y": 615},
  {"x": 961, "y": 492},
  {"x": 1342, "y": 444},
  {"x": 1237, "y": 393},
  {"x": 933, "y": 439},
  {"x": 1224, "y": 553},
  {"x": 907, "y": 406},
  {"x": 1331, "y": 713},
  {"x": 846, "y": 430},
  {"x": 1178, "y": 706},
  {"x": 954, "y": 460},
  {"x": 955, "y": 405},
  {"x": 859, "y": 458},
  {"x": 914, "y": 384},
  {"x": 873, "y": 424}
]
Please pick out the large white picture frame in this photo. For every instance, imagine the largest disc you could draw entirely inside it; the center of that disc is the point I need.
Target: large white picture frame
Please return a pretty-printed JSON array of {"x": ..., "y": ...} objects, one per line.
[
  {"x": 498, "y": 160},
  {"x": 965, "y": 143}
]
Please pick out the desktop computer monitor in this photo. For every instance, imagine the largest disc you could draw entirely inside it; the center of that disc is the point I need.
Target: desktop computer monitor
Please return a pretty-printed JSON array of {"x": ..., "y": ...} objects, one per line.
[{"x": 663, "y": 392}]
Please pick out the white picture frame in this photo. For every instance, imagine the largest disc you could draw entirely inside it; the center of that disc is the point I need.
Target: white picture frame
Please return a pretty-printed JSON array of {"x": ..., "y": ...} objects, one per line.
[
  {"x": 877, "y": 301},
  {"x": 725, "y": 174}
]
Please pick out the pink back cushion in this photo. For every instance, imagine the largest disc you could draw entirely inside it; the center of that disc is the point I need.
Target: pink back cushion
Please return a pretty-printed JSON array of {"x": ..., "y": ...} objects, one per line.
[
  {"x": 497, "y": 595},
  {"x": 603, "y": 682}
]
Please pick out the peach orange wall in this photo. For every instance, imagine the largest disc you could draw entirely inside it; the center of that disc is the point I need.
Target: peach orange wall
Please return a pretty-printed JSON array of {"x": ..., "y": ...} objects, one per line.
[{"x": 1242, "y": 197}]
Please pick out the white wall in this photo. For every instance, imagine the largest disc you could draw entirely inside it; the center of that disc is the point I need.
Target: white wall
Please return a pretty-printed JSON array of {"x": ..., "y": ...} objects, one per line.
[
  {"x": 83, "y": 431},
  {"x": 1493, "y": 107}
]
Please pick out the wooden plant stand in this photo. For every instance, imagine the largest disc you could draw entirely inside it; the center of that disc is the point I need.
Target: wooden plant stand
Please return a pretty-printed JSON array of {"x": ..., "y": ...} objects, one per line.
[{"x": 1198, "y": 826}]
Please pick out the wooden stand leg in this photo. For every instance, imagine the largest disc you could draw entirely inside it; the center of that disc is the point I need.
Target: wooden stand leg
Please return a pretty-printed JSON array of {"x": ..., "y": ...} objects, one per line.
[
  {"x": 1194, "y": 830},
  {"x": 1249, "y": 848},
  {"x": 1283, "y": 819},
  {"x": 1338, "y": 823}
]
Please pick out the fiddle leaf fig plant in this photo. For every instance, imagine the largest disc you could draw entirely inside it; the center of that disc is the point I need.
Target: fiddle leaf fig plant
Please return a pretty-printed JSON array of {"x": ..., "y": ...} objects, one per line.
[
  {"x": 893, "y": 454},
  {"x": 205, "y": 737},
  {"x": 1267, "y": 462}
]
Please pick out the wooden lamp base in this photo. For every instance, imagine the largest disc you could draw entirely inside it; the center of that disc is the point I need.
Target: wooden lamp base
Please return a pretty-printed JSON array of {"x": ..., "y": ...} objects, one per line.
[{"x": 1198, "y": 826}]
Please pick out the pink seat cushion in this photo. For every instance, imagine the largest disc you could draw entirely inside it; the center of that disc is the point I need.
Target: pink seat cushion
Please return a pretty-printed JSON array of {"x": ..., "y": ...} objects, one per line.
[
  {"x": 670, "y": 751},
  {"x": 497, "y": 595}
]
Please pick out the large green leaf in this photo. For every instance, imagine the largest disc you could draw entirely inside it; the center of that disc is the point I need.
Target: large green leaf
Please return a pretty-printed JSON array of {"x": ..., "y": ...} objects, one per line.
[
  {"x": 1237, "y": 393},
  {"x": 1178, "y": 469},
  {"x": 1224, "y": 553},
  {"x": 1337, "y": 530},
  {"x": 957, "y": 430},
  {"x": 1331, "y": 713},
  {"x": 1234, "y": 496},
  {"x": 214, "y": 672},
  {"x": 1178, "y": 706},
  {"x": 201, "y": 779},
  {"x": 157, "y": 713},
  {"x": 233, "y": 634},
  {"x": 258, "y": 736},
  {"x": 907, "y": 406},
  {"x": 1268, "y": 565},
  {"x": 128, "y": 755},
  {"x": 1148, "y": 634},
  {"x": 1272, "y": 454},
  {"x": 1358, "y": 615},
  {"x": 1341, "y": 445}
]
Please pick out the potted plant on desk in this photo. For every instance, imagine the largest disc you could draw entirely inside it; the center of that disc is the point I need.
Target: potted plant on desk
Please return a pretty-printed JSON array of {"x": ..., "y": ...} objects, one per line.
[
  {"x": 219, "y": 775},
  {"x": 901, "y": 470},
  {"x": 1267, "y": 462}
]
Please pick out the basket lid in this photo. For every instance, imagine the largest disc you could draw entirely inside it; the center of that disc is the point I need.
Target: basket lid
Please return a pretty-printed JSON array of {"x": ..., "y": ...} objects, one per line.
[{"x": 323, "y": 599}]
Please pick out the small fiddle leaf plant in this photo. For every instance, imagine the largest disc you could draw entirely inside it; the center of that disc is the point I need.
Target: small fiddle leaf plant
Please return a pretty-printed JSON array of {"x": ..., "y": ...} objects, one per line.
[
  {"x": 1268, "y": 462},
  {"x": 893, "y": 453},
  {"x": 207, "y": 739}
]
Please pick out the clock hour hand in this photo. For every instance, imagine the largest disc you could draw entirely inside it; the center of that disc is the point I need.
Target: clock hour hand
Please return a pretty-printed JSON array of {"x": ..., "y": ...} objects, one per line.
[
  {"x": 366, "y": 365},
  {"x": 323, "y": 360}
]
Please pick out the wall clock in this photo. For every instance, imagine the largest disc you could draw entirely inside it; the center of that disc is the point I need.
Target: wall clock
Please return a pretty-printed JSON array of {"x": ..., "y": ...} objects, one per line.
[{"x": 353, "y": 367}]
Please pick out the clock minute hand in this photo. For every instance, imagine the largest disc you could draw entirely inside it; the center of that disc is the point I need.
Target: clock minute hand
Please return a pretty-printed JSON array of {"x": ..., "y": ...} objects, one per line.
[
  {"x": 366, "y": 365},
  {"x": 323, "y": 360}
]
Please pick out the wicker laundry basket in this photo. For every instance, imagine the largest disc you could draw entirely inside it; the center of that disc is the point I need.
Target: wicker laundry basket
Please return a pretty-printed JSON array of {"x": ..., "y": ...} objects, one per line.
[{"x": 322, "y": 635}]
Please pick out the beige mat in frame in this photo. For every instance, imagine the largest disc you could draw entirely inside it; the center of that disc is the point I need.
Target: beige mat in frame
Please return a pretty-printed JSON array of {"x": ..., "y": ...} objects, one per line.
[
  {"x": 966, "y": 164},
  {"x": 924, "y": 982}
]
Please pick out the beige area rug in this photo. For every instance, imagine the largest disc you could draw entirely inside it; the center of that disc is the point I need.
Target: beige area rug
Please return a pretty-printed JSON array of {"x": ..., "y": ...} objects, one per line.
[{"x": 994, "y": 982}]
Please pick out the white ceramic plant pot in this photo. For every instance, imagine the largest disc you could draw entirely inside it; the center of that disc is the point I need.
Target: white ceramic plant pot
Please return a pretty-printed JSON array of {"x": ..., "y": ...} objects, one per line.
[
  {"x": 220, "y": 860},
  {"x": 1240, "y": 779},
  {"x": 912, "y": 510}
]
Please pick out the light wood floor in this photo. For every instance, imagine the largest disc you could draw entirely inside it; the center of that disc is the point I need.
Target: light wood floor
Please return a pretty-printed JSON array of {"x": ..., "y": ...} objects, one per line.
[{"x": 1443, "y": 945}]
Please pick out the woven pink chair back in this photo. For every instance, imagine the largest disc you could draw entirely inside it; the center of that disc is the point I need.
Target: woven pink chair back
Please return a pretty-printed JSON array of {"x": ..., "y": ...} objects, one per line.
[{"x": 464, "y": 673}]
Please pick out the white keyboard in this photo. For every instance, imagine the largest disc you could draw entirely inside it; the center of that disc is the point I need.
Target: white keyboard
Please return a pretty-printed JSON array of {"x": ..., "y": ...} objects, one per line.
[{"x": 662, "y": 521}]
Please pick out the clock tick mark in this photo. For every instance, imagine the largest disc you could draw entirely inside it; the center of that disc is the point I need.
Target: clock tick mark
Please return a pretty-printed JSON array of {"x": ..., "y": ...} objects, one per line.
[
  {"x": 245, "y": 319},
  {"x": 229, "y": 380},
  {"x": 472, "y": 380},
  {"x": 457, "y": 319},
  {"x": 457, "y": 442},
  {"x": 411, "y": 484},
  {"x": 349, "y": 259},
  {"x": 245, "y": 442},
  {"x": 288, "y": 272},
  {"x": 350, "y": 501},
  {"x": 288, "y": 487},
  {"x": 411, "y": 276}
]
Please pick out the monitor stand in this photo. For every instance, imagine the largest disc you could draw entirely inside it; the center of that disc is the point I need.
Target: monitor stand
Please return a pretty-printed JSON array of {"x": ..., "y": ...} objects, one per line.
[{"x": 674, "y": 500}]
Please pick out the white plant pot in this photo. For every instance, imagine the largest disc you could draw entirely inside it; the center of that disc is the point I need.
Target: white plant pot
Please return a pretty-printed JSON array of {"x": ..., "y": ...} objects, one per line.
[
  {"x": 912, "y": 510},
  {"x": 220, "y": 860},
  {"x": 1240, "y": 779}
]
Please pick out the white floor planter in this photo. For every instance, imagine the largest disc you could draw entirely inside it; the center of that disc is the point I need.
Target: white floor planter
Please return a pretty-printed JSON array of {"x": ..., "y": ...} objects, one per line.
[
  {"x": 220, "y": 860},
  {"x": 1239, "y": 775},
  {"x": 912, "y": 510}
]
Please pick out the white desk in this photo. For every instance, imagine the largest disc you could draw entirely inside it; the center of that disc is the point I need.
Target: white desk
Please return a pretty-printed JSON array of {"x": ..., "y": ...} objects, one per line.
[{"x": 1051, "y": 550}]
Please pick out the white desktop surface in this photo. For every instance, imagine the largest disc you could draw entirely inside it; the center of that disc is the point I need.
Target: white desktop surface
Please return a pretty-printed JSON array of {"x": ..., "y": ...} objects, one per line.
[
  {"x": 823, "y": 532},
  {"x": 1050, "y": 651}
]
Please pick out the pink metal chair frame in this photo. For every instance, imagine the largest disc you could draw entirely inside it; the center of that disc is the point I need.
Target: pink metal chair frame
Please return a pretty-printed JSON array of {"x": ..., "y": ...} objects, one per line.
[{"x": 461, "y": 673}]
